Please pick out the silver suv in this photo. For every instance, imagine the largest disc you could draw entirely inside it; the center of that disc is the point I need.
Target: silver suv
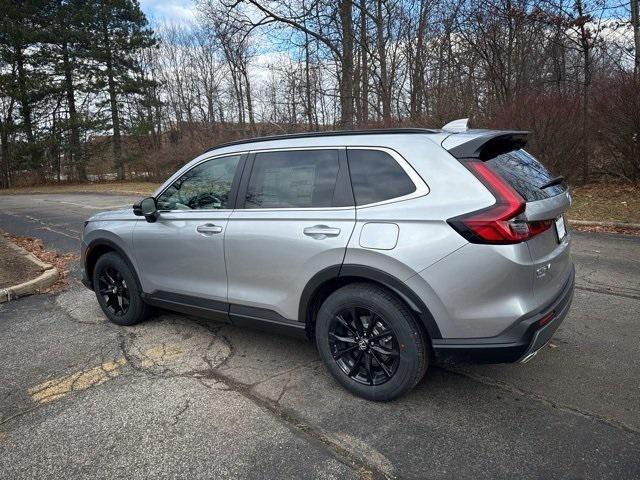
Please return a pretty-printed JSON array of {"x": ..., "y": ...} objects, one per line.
[{"x": 388, "y": 248}]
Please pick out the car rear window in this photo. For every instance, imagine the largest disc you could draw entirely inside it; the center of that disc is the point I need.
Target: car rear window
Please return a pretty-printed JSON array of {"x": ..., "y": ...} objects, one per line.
[
  {"x": 376, "y": 177},
  {"x": 526, "y": 175}
]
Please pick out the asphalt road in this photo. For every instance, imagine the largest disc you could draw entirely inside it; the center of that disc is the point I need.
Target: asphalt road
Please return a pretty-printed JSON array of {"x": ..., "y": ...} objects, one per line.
[{"x": 177, "y": 396}]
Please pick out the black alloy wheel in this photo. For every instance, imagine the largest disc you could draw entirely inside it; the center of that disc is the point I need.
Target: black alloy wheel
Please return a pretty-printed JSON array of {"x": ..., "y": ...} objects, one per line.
[
  {"x": 371, "y": 342},
  {"x": 364, "y": 346},
  {"x": 118, "y": 291},
  {"x": 113, "y": 288}
]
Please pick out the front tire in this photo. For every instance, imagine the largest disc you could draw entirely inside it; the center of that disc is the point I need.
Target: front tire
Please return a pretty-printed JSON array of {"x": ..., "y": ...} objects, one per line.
[
  {"x": 370, "y": 342},
  {"x": 117, "y": 291}
]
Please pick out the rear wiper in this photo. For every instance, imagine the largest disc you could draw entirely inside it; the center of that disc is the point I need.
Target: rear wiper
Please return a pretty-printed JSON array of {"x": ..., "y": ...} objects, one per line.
[{"x": 554, "y": 181}]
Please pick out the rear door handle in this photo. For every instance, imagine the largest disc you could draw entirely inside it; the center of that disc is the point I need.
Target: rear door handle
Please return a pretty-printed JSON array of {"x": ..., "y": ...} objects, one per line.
[
  {"x": 321, "y": 231},
  {"x": 208, "y": 229}
]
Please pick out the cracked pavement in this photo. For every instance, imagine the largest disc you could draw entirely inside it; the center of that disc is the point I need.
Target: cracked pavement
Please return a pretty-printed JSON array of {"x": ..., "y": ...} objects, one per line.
[{"x": 179, "y": 396}]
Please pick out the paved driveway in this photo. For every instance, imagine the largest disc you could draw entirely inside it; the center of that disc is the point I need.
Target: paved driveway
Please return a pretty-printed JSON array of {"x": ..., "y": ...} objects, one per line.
[{"x": 178, "y": 396}]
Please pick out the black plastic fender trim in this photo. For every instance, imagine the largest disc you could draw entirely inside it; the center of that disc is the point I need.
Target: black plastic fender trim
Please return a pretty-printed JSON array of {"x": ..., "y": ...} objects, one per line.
[
  {"x": 103, "y": 242},
  {"x": 400, "y": 288},
  {"x": 369, "y": 273}
]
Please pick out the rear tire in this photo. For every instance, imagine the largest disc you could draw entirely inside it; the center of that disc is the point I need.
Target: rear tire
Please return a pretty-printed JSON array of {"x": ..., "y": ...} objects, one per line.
[
  {"x": 117, "y": 291},
  {"x": 370, "y": 342}
]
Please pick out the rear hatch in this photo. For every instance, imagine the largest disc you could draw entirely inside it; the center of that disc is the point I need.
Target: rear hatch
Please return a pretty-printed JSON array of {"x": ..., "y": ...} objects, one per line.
[{"x": 546, "y": 199}]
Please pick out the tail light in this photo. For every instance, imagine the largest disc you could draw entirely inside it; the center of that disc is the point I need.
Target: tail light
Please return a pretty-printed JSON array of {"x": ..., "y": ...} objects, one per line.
[{"x": 501, "y": 223}]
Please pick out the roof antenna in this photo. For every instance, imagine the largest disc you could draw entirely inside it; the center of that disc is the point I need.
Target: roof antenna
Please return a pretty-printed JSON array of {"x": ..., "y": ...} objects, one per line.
[{"x": 460, "y": 125}]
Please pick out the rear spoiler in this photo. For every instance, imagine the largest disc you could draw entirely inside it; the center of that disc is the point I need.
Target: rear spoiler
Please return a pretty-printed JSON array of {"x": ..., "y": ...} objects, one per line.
[{"x": 485, "y": 145}]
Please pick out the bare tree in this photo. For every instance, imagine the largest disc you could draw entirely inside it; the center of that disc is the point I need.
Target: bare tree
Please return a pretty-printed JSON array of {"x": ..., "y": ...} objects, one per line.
[{"x": 635, "y": 23}]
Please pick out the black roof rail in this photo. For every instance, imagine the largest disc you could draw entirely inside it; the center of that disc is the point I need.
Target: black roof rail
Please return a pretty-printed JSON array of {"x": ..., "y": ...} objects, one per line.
[{"x": 329, "y": 133}]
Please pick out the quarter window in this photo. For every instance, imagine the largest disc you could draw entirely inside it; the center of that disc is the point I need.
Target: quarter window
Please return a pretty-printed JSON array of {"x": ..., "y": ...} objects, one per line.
[
  {"x": 294, "y": 179},
  {"x": 204, "y": 187},
  {"x": 376, "y": 177}
]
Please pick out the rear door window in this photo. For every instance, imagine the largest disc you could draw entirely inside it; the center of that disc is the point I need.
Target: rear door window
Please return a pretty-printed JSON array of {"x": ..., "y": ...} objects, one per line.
[
  {"x": 293, "y": 179},
  {"x": 376, "y": 176},
  {"x": 526, "y": 175}
]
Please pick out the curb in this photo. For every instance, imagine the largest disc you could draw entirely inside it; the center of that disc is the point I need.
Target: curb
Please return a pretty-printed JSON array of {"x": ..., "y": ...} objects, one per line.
[
  {"x": 47, "y": 278},
  {"x": 589, "y": 223}
]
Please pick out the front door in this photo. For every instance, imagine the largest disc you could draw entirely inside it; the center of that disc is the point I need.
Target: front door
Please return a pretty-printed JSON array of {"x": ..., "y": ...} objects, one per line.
[
  {"x": 294, "y": 220},
  {"x": 181, "y": 255}
]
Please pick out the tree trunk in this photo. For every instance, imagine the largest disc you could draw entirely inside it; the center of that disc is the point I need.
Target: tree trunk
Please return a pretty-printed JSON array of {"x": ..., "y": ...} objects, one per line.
[
  {"x": 247, "y": 89},
  {"x": 345, "y": 9},
  {"x": 385, "y": 87},
  {"x": 158, "y": 118},
  {"x": 364, "y": 65},
  {"x": 113, "y": 102},
  {"x": 357, "y": 70},
  {"x": 237, "y": 88},
  {"x": 635, "y": 22},
  {"x": 5, "y": 167},
  {"x": 25, "y": 108},
  {"x": 76, "y": 160},
  {"x": 585, "y": 116},
  {"x": 417, "y": 82},
  {"x": 307, "y": 84}
]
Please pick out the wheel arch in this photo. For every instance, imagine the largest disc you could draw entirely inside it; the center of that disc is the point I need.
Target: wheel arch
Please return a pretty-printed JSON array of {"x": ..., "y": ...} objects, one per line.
[
  {"x": 101, "y": 246},
  {"x": 332, "y": 278}
]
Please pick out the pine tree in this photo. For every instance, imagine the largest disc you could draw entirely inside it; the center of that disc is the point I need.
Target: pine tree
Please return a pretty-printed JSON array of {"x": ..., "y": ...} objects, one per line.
[
  {"x": 69, "y": 44},
  {"x": 119, "y": 31},
  {"x": 22, "y": 31}
]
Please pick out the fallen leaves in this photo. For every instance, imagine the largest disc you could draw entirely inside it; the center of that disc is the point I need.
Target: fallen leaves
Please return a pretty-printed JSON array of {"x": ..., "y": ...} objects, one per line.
[
  {"x": 59, "y": 260},
  {"x": 600, "y": 229},
  {"x": 617, "y": 202}
]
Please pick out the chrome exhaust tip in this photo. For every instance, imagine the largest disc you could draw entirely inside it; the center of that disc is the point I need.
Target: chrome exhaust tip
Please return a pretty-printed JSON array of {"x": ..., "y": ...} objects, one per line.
[{"x": 529, "y": 356}]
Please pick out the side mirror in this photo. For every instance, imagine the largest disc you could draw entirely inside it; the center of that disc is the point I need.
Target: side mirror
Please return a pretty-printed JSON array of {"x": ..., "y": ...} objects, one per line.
[{"x": 147, "y": 208}]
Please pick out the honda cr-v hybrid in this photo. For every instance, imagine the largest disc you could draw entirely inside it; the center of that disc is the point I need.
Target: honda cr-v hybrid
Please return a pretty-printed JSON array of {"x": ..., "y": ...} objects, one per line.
[{"x": 387, "y": 248}]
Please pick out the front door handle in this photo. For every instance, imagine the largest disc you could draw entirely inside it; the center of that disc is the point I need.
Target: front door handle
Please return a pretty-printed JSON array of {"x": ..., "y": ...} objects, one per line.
[
  {"x": 208, "y": 229},
  {"x": 321, "y": 231}
]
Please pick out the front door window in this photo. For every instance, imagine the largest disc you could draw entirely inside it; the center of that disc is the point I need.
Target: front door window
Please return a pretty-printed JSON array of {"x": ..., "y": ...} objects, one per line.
[{"x": 205, "y": 187}]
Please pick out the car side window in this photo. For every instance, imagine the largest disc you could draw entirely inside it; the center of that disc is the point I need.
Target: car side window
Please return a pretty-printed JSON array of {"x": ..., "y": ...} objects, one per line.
[
  {"x": 293, "y": 179},
  {"x": 204, "y": 187},
  {"x": 376, "y": 176}
]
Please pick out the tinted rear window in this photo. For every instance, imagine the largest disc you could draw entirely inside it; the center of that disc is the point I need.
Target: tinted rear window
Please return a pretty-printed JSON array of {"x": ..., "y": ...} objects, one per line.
[
  {"x": 295, "y": 179},
  {"x": 376, "y": 176},
  {"x": 526, "y": 175}
]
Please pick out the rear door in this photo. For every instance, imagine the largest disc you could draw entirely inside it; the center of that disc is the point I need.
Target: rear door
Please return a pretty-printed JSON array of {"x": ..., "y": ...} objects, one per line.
[
  {"x": 294, "y": 218},
  {"x": 547, "y": 199}
]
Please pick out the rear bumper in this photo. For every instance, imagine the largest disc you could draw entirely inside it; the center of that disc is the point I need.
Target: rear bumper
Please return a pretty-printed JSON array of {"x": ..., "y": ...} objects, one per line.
[{"x": 520, "y": 342}]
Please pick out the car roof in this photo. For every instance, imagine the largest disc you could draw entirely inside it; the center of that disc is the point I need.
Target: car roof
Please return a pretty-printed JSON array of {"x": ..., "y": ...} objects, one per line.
[{"x": 330, "y": 133}]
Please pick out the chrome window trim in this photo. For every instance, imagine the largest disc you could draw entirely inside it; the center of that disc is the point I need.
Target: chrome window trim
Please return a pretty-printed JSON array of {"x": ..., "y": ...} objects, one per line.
[
  {"x": 294, "y": 209},
  {"x": 288, "y": 149},
  {"x": 422, "y": 188},
  {"x": 207, "y": 159}
]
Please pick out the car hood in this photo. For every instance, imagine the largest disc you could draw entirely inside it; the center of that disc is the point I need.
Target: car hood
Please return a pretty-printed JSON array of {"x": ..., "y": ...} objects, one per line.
[{"x": 126, "y": 214}]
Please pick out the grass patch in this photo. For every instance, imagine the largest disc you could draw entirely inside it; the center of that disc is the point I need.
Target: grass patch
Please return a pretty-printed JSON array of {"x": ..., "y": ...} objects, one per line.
[
  {"x": 122, "y": 188},
  {"x": 606, "y": 202}
]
